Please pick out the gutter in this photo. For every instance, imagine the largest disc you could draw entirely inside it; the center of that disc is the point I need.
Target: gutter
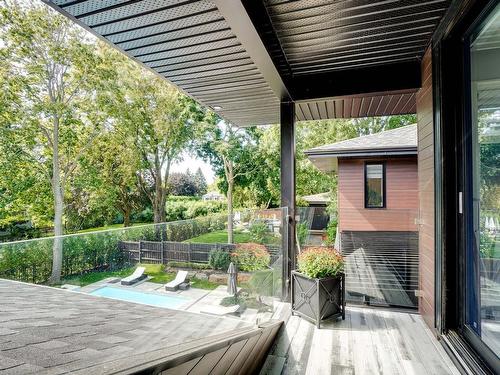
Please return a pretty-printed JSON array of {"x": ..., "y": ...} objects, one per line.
[{"x": 363, "y": 153}]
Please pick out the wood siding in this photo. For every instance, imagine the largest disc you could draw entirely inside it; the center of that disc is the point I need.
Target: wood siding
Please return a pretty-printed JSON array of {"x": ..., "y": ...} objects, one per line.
[
  {"x": 401, "y": 197},
  {"x": 426, "y": 189}
]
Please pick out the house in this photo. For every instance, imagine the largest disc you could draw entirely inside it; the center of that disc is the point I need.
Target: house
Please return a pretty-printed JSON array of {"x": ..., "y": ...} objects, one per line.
[
  {"x": 213, "y": 196},
  {"x": 377, "y": 211},
  {"x": 260, "y": 62},
  {"x": 377, "y": 180}
]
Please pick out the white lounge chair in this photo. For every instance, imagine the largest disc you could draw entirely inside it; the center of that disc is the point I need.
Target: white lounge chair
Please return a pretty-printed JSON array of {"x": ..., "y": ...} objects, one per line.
[
  {"x": 137, "y": 276},
  {"x": 179, "y": 279},
  {"x": 220, "y": 310}
]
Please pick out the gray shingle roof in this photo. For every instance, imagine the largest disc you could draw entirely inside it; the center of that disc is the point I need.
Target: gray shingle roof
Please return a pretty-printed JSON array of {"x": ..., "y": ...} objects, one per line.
[
  {"x": 47, "y": 330},
  {"x": 404, "y": 138}
]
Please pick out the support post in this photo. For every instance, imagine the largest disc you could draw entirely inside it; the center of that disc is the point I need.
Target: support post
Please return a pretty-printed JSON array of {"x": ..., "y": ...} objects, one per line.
[{"x": 287, "y": 135}]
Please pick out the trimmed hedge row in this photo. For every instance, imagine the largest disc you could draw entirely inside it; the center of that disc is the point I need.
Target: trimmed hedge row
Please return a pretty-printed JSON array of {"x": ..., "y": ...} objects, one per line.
[{"x": 31, "y": 261}]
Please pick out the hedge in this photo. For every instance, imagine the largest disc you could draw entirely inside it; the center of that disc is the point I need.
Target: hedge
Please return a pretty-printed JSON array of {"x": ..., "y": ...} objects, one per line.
[{"x": 31, "y": 261}]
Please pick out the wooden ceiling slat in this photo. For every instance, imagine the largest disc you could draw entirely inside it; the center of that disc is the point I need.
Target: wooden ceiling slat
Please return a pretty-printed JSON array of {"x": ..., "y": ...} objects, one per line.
[
  {"x": 322, "y": 109},
  {"x": 363, "y": 109},
  {"x": 330, "y": 109},
  {"x": 339, "y": 108},
  {"x": 356, "y": 105},
  {"x": 347, "y": 107},
  {"x": 307, "y": 112}
]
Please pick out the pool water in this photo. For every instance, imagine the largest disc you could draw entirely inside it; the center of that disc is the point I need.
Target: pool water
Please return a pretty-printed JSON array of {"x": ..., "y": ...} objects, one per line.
[{"x": 140, "y": 297}]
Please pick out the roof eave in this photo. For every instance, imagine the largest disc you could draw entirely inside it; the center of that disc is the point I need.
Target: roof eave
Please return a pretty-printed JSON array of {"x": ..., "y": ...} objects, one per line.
[{"x": 364, "y": 152}]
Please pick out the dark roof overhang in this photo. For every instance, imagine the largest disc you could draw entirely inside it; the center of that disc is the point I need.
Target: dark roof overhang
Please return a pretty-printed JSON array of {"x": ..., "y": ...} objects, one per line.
[{"x": 246, "y": 56}]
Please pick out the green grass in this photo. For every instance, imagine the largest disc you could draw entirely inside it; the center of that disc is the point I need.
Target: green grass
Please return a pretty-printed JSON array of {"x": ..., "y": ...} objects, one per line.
[
  {"x": 93, "y": 277},
  {"x": 156, "y": 271},
  {"x": 221, "y": 237},
  {"x": 203, "y": 284}
]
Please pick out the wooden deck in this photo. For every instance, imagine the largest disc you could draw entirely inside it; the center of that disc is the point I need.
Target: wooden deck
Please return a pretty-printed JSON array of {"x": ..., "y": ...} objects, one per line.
[{"x": 369, "y": 341}]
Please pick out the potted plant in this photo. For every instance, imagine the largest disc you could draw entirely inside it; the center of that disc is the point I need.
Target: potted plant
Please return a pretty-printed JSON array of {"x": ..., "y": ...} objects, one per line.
[{"x": 318, "y": 291}]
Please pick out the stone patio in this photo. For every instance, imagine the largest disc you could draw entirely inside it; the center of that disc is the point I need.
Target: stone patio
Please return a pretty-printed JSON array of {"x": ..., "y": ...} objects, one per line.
[{"x": 197, "y": 299}]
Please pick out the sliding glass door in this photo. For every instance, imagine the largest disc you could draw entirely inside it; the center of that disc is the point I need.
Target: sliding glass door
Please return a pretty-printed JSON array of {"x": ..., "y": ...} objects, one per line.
[{"x": 482, "y": 215}]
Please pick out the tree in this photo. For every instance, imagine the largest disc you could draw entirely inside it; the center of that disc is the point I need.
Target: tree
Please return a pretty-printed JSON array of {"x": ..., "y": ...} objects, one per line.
[
  {"x": 58, "y": 77},
  {"x": 200, "y": 182},
  {"x": 111, "y": 172},
  {"x": 372, "y": 125},
  {"x": 230, "y": 151},
  {"x": 162, "y": 121},
  {"x": 264, "y": 187},
  {"x": 182, "y": 184}
]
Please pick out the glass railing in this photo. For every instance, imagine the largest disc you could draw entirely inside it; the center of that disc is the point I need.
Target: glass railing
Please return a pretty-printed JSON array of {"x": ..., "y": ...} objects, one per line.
[
  {"x": 381, "y": 255},
  {"x": 100, "y": 263}
]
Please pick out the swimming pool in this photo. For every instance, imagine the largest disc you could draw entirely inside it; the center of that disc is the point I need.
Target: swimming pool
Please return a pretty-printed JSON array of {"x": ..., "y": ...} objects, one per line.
[{"x": 151, "y": 299}]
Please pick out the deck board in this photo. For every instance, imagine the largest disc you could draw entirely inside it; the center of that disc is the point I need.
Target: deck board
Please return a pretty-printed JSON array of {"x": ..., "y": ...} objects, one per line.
[{"x": 368, "y": 341}]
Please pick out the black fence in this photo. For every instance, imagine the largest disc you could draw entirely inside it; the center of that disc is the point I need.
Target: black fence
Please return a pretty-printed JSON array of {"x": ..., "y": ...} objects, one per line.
[{"x": 167, "y": 251}]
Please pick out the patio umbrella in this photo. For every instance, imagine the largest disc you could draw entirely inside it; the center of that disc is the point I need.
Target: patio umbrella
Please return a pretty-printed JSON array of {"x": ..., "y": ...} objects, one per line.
[{"x": 232, "y": 288}]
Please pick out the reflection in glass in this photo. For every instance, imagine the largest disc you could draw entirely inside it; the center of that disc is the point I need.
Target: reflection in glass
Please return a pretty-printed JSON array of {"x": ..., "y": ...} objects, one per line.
[
  {"x": 484, "y": 278},
  {"x": 374, "y": 185}
]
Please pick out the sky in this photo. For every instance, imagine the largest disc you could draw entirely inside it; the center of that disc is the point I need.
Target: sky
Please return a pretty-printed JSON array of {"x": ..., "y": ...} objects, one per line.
[{"x": 193, "y": 164}]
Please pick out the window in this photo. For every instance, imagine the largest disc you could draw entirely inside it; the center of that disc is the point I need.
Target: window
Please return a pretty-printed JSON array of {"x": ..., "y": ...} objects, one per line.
[
  {"x": 483, "y": 250},
  {"x": 374, "y": 185}
]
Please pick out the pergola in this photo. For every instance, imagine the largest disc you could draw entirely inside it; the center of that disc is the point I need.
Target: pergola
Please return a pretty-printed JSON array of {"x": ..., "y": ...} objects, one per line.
[{"x": 258, "y": 62}]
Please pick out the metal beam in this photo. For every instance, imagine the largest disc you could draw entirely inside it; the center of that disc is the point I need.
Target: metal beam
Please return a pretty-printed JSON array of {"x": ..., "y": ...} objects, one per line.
[
  {"x": 287, "y": 135},
  {"x": 390, "y": 77},
  {"x": 237, "y": 17}
]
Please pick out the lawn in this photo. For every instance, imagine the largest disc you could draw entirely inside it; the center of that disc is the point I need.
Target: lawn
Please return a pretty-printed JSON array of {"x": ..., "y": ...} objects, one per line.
[
  {"x": 221, "y": 237},
  {"x": 156, "y": 271},
  {"x": 93, "y": 277},
  {"x": 162, "y": 277}
]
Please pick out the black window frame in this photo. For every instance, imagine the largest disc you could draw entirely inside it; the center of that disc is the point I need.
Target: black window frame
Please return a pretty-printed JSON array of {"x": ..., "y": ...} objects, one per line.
[
  {"x": 384, "y": 190},
  {"x": 453, "y": 163}
]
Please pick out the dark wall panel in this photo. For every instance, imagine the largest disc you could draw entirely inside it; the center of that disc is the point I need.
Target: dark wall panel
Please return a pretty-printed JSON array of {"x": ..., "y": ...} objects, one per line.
[{"x": 426, "y": 191}]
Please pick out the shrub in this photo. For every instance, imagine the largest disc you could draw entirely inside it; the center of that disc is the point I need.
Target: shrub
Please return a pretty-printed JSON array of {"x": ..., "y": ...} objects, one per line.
[
  {"x": 192, "y": 265},
  {"x": 258, "y": 231},
  {"x": 219, "y": 259},
  {"x": 302, "y": 233},
  {"x": 331, "y": 232},
  {"x": 250, "y": 257},
  {"x": 233, "y": 300},
  {"x": 184, "y": 230},
  {"x": 189, "y": 209},
  {"x": 487, "y": 245},
  {"x": 320, "y": 261}
]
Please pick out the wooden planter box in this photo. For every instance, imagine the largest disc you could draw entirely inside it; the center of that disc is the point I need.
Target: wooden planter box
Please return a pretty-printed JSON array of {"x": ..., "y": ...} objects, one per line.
[{"x": 318, "y": 299}]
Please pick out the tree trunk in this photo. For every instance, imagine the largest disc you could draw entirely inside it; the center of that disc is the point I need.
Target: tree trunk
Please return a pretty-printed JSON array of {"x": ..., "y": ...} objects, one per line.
[
  {"x": 230, "y": 234},
  {"x": 57, "y": 249},
  {"x": 126, "y": 217},
  {"x": 159, "y": 197}
]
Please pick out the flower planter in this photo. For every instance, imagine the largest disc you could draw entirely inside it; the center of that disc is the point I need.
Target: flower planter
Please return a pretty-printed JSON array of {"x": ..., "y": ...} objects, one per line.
[{"x": 318, "y": 299}]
